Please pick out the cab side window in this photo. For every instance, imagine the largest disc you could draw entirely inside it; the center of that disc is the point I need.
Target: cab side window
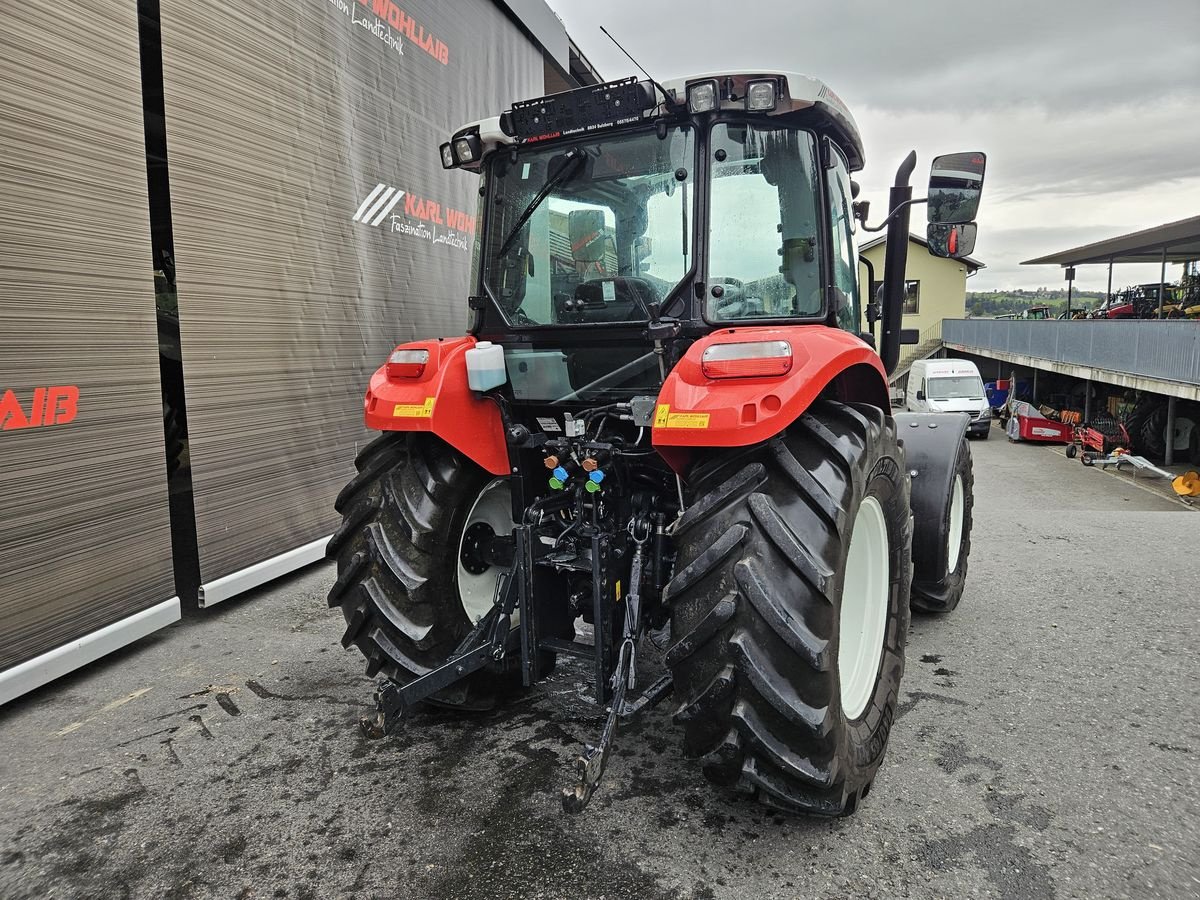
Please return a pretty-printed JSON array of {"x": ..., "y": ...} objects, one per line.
[{"x": 845, "y": 254}]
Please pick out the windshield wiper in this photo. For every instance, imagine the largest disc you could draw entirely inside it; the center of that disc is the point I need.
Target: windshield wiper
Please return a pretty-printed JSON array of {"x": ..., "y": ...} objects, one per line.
[{"x": 568, "y": 169}]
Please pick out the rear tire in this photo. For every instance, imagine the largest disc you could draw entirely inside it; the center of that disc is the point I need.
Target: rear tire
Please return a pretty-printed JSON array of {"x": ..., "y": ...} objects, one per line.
[
  {"x": 766, "y": 654},
  {"x": 397, "y": 552}
]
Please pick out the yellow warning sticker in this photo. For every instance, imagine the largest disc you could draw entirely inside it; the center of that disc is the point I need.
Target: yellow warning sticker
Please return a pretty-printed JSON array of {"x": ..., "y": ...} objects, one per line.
[
  {"x": 664, "y": 418},
  {"x": 618, "y": 589},
  {"x": 414, "y": 410}
]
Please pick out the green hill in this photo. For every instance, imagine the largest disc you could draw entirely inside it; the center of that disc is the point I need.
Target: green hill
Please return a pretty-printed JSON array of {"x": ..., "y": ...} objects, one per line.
[{"x": 995, "y": 303}]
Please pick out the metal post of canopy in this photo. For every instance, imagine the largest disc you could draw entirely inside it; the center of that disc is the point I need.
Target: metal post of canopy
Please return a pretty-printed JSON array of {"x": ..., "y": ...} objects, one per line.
[
  {"x": 1169, "y": 455},
  {"x": 1162, "y": 281}
]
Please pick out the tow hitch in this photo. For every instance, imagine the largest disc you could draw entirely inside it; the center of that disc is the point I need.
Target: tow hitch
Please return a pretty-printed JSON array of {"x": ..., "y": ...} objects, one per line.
[{"x": 493, "y": 639}]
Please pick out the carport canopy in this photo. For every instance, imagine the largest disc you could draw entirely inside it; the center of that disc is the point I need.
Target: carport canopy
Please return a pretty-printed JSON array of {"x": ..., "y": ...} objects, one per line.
[{"x": 1175, "y": 242}]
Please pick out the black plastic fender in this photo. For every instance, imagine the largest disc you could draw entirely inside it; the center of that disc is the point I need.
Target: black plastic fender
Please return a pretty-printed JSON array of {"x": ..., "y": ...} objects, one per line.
[{"x": 932, "y": 442}]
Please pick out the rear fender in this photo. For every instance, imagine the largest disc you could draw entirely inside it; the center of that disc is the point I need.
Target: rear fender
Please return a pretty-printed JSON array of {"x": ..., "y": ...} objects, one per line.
[
  {"x": 932, "y": 442},
  {"x": 441, "y": 402},
  {"x": 696, "y": 411}
]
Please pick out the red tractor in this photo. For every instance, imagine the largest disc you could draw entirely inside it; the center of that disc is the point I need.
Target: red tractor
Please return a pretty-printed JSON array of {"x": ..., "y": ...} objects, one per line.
[{"x": 668, "y": 420}]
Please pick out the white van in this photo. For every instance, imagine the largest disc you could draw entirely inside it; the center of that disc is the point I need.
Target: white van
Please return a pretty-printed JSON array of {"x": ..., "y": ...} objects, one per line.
[{"x": 949, "y": 385}]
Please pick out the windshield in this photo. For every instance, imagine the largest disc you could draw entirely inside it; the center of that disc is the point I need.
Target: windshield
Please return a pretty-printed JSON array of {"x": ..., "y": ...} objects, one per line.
[
  {"x": 956, "y": 387},
  {"x": 606, "y": 232},
  {"x": 763, "y": 223}
]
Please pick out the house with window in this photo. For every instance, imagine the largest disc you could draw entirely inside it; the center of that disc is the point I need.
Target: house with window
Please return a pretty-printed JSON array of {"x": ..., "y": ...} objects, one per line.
[{"x": 936, "y": 287}]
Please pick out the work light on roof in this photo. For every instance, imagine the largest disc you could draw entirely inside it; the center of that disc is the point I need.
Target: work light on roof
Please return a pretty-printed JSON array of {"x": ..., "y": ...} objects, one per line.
[
  {"x": 702, "y": 96},
  {"x": 447, "y": 156},
  {"x": 463, "y": 150},
  {"x": 761, "y": 96}
]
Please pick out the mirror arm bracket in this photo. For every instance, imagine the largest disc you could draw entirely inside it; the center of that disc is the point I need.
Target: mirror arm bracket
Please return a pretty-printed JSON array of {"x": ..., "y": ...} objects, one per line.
[{"x": 905, "y": 205}]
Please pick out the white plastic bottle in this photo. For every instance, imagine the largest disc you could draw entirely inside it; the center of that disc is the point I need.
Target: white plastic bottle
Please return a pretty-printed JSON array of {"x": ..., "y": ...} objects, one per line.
[{"x": 485, "y": 366}]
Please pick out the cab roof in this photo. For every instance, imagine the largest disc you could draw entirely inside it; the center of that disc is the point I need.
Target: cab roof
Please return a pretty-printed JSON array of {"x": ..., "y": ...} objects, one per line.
[{"x": 795, "y": 92}]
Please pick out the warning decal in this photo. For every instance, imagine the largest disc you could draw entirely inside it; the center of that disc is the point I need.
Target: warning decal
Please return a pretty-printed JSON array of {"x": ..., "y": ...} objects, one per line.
[
  {"x": 664, "y": 418},
  {"x": 413, "y": 410}
]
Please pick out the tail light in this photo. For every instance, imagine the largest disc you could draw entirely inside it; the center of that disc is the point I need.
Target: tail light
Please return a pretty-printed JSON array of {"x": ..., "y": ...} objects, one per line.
[
  {"x": 407, "y": 363},
  {"x": 749, "y": 360}
]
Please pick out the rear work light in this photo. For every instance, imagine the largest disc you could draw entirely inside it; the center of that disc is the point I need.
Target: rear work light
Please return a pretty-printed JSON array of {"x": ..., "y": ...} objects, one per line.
[
  {"x": 749, "y": 360},
  {"x": 703, "y": 96},
  {"x": 761, "y": 96},
  {"x": 407, "y": 363}
]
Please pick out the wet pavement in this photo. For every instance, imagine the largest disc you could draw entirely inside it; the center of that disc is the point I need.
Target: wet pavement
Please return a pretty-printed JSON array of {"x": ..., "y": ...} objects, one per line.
[{"x": 1048, "y": 746}]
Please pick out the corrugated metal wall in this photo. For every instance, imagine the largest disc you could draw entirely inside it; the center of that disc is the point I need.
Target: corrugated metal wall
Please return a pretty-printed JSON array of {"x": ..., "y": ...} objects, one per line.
[
  {"x": 282, "y": 121},
  {"x": 1168, "y": 350},
  {"x": 84, "y": 530}
]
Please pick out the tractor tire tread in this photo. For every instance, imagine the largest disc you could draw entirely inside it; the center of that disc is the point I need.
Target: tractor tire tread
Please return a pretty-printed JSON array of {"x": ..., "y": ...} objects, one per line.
[
  {"x": 754, "y": 611},
  {"x": 397, "y": 562}
]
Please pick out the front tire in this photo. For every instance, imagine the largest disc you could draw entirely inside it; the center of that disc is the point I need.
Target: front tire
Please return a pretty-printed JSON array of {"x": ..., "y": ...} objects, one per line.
[
  {"x": 790, "y": 608},
  {"x": 400, "y": 584},
  {"x": 941, "y": 595}
]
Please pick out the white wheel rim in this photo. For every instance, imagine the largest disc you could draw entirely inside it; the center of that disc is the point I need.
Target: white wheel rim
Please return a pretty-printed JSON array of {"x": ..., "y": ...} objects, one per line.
[
  {"x": 863, "y": 617},
  {"x": 954, "y": 535},
  {"x": 494, "y": 506}
]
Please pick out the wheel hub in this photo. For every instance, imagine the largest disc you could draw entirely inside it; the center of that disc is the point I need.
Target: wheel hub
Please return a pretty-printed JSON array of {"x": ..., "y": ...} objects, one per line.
[
  {"x": 476, "y": 538},
  {"x": 863, "y": 620},
  {"x": 481, "y": 549}
]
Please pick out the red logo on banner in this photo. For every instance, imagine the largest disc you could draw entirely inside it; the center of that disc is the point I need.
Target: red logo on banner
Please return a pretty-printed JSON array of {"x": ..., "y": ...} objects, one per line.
[
  {"x": 49, "y": 406},
  {"x": 387, "y": 11}
]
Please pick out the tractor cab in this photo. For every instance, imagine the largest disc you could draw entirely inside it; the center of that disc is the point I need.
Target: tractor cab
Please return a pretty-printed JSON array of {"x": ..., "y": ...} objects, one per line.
[
  {"x": 701, "y": 203},
  {"x": 631, "y": 209}
]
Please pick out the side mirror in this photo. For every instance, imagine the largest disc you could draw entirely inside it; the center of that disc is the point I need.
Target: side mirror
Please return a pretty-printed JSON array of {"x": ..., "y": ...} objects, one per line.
[
  {"x": 955, "y": 184},
  {"x": 952, "y": 241},
  {"x": 920, "y": 395}
]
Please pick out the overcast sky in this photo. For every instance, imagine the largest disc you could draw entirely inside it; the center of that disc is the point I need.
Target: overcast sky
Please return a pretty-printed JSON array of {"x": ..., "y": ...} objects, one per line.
[{"x": 1089, "y": 110}]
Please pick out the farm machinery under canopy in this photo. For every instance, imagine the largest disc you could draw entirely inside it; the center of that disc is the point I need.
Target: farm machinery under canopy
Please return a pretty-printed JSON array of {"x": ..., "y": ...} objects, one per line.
[{"x": 668, "y": 418}]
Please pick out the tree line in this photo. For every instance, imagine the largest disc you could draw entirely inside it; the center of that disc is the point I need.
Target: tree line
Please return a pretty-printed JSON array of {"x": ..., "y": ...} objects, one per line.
[{"x": 996, "y": 303}]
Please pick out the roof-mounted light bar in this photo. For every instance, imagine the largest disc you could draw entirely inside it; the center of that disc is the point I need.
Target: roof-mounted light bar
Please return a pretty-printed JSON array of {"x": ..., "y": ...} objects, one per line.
[{"x": 710, "y": 94}]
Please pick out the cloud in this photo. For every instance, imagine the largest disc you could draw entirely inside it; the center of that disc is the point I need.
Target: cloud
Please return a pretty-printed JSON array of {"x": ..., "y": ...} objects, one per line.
[{"x": 1089, "y": 112}]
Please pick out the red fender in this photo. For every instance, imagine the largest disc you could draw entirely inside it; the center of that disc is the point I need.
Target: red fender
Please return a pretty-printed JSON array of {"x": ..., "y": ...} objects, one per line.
[
  {"x": 696, "y": 411},
  {"x": 440, "y": 401}
]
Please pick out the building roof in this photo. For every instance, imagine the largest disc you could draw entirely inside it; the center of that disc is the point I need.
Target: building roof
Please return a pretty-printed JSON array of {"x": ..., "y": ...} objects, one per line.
[
  {"x": 539, "y": 21},
  {"x": 970, "y": 262},
  {"x": 1181, "y": 240}
]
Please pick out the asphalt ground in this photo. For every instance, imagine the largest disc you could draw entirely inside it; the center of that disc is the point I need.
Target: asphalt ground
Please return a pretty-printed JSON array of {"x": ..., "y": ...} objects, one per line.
[{"x": 1047, "y": 746}]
